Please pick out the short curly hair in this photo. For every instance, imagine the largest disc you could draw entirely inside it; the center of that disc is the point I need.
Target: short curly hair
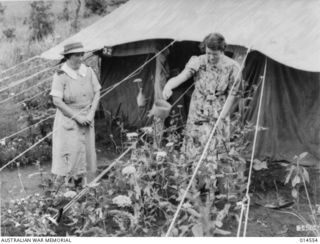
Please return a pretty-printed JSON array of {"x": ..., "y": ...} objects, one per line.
[{"x": 214, "y": 41}]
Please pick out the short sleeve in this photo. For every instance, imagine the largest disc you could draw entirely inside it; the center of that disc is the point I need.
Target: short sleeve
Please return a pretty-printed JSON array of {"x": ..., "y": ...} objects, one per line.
[
  {"x": 234, "y": 77},
  {"x": 193, "y": 64},
  {"x": 95, "y": 83},
  {"x": 57, "y": 86}
]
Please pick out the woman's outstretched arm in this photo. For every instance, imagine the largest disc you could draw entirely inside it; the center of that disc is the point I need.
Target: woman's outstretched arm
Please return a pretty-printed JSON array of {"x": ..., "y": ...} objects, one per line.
[{"x": 175, "y": 82}]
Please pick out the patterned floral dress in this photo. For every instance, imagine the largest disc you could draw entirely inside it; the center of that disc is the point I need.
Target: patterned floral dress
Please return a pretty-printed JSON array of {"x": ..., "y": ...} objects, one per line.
[
  {"x": 212, "y": 86},
  {"x": 73, "y": 149}
]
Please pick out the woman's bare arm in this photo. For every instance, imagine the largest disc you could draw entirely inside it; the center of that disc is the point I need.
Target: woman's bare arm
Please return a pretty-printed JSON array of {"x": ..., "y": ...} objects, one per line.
[{"x": 175, "y": 82}]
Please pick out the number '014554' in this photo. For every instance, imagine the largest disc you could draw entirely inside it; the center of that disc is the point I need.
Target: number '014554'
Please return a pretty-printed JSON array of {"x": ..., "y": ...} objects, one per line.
[{"x": 309, "y": 239}]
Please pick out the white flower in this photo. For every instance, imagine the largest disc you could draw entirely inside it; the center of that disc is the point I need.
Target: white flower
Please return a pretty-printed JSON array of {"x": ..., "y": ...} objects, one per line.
[
  {"x": 3, "y": 142},
  {"x": 122, "y": 201},
  {"x": 161, "y": 155},
  {"x": 186, "y": 205},
  {"x": 70, "y": 194},
  {"x": 169, "y": 144},
  {"x": 147, "y": 130},
  {"x": 129, "y": 170},
  {"x": 132, "y": 135}
]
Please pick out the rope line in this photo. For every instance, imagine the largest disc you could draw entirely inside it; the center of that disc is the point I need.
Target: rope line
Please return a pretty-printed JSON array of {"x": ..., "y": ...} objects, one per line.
[
  {"x": 204, "y": 151},
  {"x": 28, "y": 78},
  {"x": 240, "y": 219},
  {"x": 29, "y": 88},
  {"x": 22, "y": 71},
  {"x": 102, "y": 95},
  {"x": 26, "y": 128},
  {"x": 30, "y": 98},
  {"x": 142, "y": 66},
  {"x": 182, "y": 95},
  {"x": 26, "y": 61},
  {"x": 25, "y": 90},
  {"x": 247, "y": 197},
  {"x": 25, "y": 151}
]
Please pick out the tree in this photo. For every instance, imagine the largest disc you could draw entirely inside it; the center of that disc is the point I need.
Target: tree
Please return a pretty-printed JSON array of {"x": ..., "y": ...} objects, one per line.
[
  {"x": 65, "y": 15},
  {"x": 41, "y": 21},
  {"x": 2, "y": 9},
  {"x": 101, "y": 7},
  {"x": 98, "y": 7},
  {"x": 75, "y": 24}
]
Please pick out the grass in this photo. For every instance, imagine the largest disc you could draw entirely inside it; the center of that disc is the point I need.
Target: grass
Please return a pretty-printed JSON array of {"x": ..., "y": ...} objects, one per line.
[
  {"x": 16, "y": 50},
  {"x": 20, "y": 48}
]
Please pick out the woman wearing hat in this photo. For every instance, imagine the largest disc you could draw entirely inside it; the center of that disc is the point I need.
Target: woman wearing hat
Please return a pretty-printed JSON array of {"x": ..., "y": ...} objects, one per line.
[
  {"x": 75, "y": 91},
  {"x": 214, "y": 74}
]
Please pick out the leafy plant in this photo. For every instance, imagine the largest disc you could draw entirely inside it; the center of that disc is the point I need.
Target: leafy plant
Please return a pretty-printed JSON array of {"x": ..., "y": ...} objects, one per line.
[
  {"x": 140, "y": 195},
  {"x": 41, "y": 21},
  {"x": 95, "y": 7},
  {"x": 10, "y": 33},
  {"x": 10, "y": 148},
  {"x": 297, "y": 174},
  {"x": 65, "y": 15},
  {"x": 75, "y": 25}
]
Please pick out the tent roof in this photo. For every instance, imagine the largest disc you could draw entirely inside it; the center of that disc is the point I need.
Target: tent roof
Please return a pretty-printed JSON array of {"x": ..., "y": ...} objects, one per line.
[{"x": 287, "y": 30}]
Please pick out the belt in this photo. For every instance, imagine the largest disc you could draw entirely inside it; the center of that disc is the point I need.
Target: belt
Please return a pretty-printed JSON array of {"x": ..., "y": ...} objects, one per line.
[{"x": 79, "y": 106}]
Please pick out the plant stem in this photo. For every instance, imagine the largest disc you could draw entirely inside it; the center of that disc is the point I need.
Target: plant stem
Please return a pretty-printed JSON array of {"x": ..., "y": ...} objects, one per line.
[{"x": 309, "y": 202}]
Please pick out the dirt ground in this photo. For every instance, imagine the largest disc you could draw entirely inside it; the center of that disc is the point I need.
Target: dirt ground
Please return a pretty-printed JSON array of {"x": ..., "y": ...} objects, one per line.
[
  {"x": 263, "y": 221},
  {"x": 12, "y": 188}
]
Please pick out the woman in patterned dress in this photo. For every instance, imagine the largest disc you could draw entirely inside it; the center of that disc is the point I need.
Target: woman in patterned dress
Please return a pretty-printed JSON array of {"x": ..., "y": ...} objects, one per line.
[
  {"x": 75, "y": 91},
  {"x": 214, "y": 74}
]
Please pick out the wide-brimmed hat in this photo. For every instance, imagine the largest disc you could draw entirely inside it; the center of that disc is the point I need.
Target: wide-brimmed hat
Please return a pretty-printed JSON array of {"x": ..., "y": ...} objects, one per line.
[{"x": 75, "y": 47}]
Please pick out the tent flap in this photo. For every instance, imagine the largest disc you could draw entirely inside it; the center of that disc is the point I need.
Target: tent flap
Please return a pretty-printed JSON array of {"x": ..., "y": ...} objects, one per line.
[
  {"x": 290, "y": 109},
  {"x": 121, "y": 103}
]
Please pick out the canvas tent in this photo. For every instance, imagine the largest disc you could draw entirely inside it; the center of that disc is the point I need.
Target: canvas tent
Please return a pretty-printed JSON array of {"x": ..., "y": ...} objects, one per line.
[{"x": 284, "y": 33}]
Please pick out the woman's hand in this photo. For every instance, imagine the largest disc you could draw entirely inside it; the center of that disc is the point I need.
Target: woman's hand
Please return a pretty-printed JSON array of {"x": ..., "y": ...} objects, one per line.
[
  {"x": 175, "y": 82},
  {"x": 83, "y": 120},
  {"x": 167, "y": 92},
  {"x": 90, "y": 116}
]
